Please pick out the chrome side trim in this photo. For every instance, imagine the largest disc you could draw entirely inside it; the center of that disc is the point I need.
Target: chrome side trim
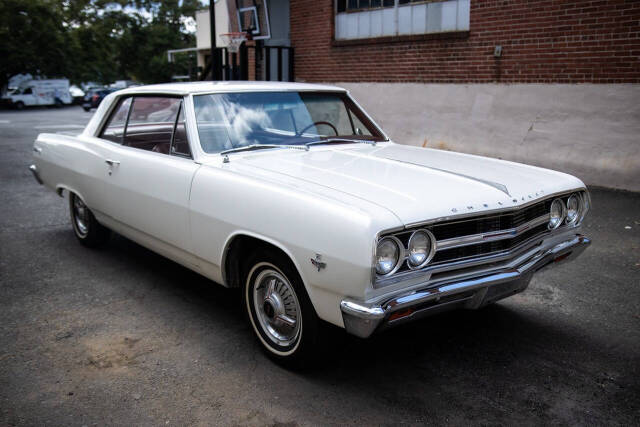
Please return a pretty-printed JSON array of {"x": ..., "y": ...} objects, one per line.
[
  {"x": 474, "y": 239},
  {"x": 363, "y": 318}
]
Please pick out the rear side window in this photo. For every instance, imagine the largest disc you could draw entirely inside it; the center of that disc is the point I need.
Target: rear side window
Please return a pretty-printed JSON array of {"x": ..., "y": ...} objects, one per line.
[
  {"x": 114, "y": 128},
  {"x": 151, "y": 123}
]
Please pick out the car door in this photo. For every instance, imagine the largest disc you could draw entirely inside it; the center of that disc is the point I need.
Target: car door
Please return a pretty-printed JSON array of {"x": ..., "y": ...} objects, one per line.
[{"x": 149, "y": 174}]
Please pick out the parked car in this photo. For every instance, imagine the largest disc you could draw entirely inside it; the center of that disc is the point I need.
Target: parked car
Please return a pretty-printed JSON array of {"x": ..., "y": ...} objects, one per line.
[
  {"x": 77, "y": 94},
  {"x": 94, "y": 97},
  {"x": 292, "y": 193}
]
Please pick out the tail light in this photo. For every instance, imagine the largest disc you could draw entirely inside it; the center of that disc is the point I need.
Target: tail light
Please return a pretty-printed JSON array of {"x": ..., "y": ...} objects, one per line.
[{"x": 95, "y": 97}]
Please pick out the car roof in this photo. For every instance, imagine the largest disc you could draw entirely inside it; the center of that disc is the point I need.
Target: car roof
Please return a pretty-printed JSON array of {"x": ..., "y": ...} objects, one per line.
[{"x": 227, "y": 86}]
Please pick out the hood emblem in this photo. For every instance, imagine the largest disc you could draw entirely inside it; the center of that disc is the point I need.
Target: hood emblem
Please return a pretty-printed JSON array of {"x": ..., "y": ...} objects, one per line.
[{"x": 317, "y": 262}]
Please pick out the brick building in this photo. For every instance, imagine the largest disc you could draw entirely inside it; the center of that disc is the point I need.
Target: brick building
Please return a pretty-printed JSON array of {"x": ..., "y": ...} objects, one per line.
[{"x": 455, "y": 41}]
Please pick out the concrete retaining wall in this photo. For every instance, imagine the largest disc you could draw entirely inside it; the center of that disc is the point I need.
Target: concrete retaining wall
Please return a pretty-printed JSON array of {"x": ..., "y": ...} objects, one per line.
[{"x": 591, "y": 131}]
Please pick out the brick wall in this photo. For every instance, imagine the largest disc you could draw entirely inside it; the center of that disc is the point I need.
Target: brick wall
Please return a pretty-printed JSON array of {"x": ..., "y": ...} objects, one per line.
[{"x": 543, "y": 41}]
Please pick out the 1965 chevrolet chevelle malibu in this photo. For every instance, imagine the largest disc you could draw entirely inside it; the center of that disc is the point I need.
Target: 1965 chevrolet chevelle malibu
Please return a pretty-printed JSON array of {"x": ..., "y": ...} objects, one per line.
[{"x": 292, "y": 193}]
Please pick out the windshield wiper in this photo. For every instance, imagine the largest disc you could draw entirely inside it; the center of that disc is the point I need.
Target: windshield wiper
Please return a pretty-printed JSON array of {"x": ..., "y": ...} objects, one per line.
[
  {"x": 260, "y": 147},
  {"x": 339, "y": 141}
]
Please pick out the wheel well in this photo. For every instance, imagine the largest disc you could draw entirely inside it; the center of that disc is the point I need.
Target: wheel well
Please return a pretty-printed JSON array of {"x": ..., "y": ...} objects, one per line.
[{"x": 243, "y": 244}]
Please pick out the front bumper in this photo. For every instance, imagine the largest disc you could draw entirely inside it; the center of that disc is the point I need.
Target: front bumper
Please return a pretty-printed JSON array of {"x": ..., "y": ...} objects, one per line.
[{"x": 362, "y": 319}]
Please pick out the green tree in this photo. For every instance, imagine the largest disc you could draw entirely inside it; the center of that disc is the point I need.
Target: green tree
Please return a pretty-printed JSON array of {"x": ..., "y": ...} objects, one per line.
[
  {"x": 33, "y": 38},
  {"x": 94, "y": 40}
]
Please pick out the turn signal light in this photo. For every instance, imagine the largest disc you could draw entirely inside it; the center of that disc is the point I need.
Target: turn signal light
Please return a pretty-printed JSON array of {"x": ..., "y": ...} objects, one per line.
[{"x": 400, "y": 314}]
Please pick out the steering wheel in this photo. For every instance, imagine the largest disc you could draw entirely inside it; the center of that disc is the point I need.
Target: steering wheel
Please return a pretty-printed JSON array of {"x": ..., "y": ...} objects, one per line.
[{"x": 319, "y": 123}]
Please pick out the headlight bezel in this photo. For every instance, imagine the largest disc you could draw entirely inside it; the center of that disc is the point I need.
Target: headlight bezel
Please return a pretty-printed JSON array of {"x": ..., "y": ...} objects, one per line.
[
  {"x": 563, "y": 213},
  {"x": 431, "y": 249},
  {"x": 401, "y": 255},
  {"x": 585, "y": 196},
  {"x": 576, "y": 219}
]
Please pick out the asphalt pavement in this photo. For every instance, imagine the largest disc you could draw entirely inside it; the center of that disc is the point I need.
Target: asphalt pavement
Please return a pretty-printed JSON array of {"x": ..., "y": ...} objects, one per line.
[{"x": 122, "y": 336}]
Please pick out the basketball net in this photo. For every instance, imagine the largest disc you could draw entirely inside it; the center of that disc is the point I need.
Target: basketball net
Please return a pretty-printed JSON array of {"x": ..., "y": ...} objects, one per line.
[{"x": 234, "y": 40}]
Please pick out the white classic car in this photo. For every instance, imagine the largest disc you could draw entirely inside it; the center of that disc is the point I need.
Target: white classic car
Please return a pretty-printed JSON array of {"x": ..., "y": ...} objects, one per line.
[{"x": 292, "y": 193}]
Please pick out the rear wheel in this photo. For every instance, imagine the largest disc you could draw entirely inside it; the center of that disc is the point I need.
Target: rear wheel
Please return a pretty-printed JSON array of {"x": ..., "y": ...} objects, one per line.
[
  {"x": 85, "y": 226},
  {"x": 19, "y": 105},
  {"x": 87, "y": 109},
  {"x": 280, "y": 310}
]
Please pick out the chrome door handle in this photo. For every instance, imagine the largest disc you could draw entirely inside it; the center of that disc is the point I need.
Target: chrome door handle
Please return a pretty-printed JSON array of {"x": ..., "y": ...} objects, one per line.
[{"x": 112, "y": 162}]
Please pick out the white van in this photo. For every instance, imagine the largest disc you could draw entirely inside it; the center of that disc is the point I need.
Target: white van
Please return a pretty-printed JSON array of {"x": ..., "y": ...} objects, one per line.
[{"x": 39, "y": 92}]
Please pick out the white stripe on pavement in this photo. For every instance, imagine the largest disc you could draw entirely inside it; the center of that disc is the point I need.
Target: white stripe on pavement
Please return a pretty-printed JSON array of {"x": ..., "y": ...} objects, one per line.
[{"x": 59, "y": 127}]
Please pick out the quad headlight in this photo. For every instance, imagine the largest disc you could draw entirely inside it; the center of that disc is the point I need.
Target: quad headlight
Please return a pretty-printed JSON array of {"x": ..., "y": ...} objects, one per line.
[
  {"x": 574, "y": 208},
  {"x": 421, "y": 248},
  {"x": 387, "y": 256},
  {"x": 556, "y": 214}
]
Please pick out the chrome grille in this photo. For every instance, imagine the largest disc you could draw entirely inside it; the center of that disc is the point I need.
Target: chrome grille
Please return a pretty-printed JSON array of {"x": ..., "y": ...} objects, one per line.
[
  {"x": 487, "y": 234},
  {"x": 486, "y": 224},
  {"x": 487, "y": 248}
]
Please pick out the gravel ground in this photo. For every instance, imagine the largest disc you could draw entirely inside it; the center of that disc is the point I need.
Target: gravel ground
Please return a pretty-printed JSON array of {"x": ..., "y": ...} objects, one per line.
[{"x": 122, "y": 336}]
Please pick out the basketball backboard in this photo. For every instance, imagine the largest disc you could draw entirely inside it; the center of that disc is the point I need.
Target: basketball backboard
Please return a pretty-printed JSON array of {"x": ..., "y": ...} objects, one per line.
[{"x": 250, "y": 16}]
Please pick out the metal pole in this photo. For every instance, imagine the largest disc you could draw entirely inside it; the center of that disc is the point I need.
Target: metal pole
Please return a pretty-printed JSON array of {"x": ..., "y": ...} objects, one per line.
[{"x": 215, "y": 63}]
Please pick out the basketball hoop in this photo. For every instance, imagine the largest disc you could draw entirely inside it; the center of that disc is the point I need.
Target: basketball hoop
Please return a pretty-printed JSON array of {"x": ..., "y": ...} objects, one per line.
[{"x": 234, "y": 40}]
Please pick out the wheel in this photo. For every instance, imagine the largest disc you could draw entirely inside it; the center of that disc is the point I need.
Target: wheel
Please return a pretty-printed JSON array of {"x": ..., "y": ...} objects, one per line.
[
  {"x": 58, "y": 103},
  {"x": 19, "y": 105},
  {"x": 85, "y": 226},
  {"x": 87, "y": 109},
  {"x": 280, "y": 311}
]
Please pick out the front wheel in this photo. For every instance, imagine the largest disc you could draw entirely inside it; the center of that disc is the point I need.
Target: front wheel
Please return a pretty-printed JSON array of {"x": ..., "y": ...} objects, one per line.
[
  {"x": 85, "y": 226},
  {"x": 280, "y": 310}
]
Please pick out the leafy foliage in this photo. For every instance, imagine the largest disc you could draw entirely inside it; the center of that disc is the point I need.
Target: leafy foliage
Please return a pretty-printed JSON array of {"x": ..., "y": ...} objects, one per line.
[{"x": 94, "y": 40}]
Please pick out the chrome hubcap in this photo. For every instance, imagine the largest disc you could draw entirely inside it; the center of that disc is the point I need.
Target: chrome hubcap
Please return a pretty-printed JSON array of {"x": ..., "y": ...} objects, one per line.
[
  {"x": 277, "y": 308},
  {"x": 80, "y": 216}
]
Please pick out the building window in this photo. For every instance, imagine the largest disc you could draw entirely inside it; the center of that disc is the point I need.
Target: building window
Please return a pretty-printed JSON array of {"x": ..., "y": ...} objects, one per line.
[{"x": 362, "y": 19}]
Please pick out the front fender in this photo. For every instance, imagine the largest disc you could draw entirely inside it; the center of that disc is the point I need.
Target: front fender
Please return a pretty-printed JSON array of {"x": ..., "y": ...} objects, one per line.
[{"x": 301, "y": 222}]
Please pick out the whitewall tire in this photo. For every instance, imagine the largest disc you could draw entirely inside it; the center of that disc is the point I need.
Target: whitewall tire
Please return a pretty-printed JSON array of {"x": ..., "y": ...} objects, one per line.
[{"x": 279, "y": 310}]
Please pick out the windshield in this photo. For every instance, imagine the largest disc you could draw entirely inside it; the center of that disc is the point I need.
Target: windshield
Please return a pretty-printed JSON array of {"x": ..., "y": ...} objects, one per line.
[{"x": 232, "y": 120}]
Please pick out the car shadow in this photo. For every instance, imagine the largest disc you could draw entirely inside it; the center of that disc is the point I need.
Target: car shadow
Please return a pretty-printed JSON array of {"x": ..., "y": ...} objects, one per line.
[{"x": 495, "y": 334}]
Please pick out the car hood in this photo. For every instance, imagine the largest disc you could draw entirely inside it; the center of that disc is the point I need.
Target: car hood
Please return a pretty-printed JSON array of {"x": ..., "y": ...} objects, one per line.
[{"x": 416, "y": 184}]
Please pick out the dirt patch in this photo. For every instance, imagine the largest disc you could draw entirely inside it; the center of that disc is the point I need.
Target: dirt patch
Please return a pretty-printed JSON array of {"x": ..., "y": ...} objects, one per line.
[{"x": 116, "y": 353}]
